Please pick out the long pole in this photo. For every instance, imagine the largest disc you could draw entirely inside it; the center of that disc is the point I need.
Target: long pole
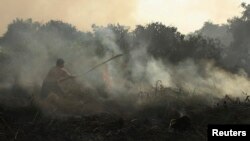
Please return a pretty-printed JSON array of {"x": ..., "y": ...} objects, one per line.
[{"x": 96, "y": 66}]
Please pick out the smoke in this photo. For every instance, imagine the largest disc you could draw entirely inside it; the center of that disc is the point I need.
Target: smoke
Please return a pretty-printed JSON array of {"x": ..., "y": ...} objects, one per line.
[
  {"x": 204, "y": 77},
  {"x": 219, "y": 32},
  {"x": 82, "y": 13},
  {"x": 191, "y": 12},
  {"x": 33, "y": 49}
]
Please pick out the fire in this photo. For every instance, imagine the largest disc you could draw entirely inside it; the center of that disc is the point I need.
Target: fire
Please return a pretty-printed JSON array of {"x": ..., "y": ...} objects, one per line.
[{"x": 106, "y": 77}]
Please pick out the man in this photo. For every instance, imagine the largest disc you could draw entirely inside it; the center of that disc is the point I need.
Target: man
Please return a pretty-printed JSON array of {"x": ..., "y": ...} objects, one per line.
[{"x": 56, "y": 75}]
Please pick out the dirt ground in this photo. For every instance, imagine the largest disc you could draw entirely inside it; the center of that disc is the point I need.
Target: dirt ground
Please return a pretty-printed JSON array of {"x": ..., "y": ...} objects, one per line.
[{"x": 150, "y": 120}]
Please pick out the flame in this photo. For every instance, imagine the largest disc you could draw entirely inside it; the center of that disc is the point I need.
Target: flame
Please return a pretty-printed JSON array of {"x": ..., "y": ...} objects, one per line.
[{"x": 106, "y": 77}]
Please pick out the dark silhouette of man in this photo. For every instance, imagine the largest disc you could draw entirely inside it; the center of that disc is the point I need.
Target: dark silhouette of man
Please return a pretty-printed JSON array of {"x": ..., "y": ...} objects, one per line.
[{"x": 55, "y": 76}]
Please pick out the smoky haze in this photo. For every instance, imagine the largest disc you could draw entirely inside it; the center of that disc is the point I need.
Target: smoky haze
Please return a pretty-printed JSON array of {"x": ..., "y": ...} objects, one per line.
[
  {"x": 82, "y": 13},
  {"x": 193, "y": 63}
]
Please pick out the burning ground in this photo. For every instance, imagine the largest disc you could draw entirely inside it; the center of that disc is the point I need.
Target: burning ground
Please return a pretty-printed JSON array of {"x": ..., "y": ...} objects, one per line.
[{"x": 149, "y": 119}]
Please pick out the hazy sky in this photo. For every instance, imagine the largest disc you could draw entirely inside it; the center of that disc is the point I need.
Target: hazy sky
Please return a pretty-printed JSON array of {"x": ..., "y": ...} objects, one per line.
[{"x": 187, "y": 15}]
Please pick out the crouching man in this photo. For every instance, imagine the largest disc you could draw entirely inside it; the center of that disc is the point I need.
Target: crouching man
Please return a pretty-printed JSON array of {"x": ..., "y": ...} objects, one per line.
[{"x": 55, "y": 76}]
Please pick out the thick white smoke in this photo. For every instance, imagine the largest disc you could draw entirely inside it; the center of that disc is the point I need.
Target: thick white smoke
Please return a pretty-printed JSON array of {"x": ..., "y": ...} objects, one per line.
[{"x": 121, "y": 79}]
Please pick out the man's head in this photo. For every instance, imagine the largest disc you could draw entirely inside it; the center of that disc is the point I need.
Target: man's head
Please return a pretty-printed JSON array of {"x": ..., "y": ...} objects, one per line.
[{"x": 60, "y": 63}]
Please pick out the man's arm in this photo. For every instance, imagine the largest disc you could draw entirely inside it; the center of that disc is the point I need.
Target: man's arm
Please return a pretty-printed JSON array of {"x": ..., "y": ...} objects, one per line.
[{"x": 66, "y": 75}]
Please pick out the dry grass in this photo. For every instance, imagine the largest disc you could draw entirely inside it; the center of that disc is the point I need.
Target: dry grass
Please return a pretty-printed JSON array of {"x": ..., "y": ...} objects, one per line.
[{"x": 147, "y": 118}]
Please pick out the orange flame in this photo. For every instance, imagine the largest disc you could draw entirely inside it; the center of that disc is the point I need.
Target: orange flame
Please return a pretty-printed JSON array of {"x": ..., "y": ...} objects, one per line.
[{"x": 106, "y": 77}]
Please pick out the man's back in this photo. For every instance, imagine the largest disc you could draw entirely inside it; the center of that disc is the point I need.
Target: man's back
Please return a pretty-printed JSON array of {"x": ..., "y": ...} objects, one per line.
[
  {"x": 53, "y": 79},
  {"x": 57, "y": 74}
]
